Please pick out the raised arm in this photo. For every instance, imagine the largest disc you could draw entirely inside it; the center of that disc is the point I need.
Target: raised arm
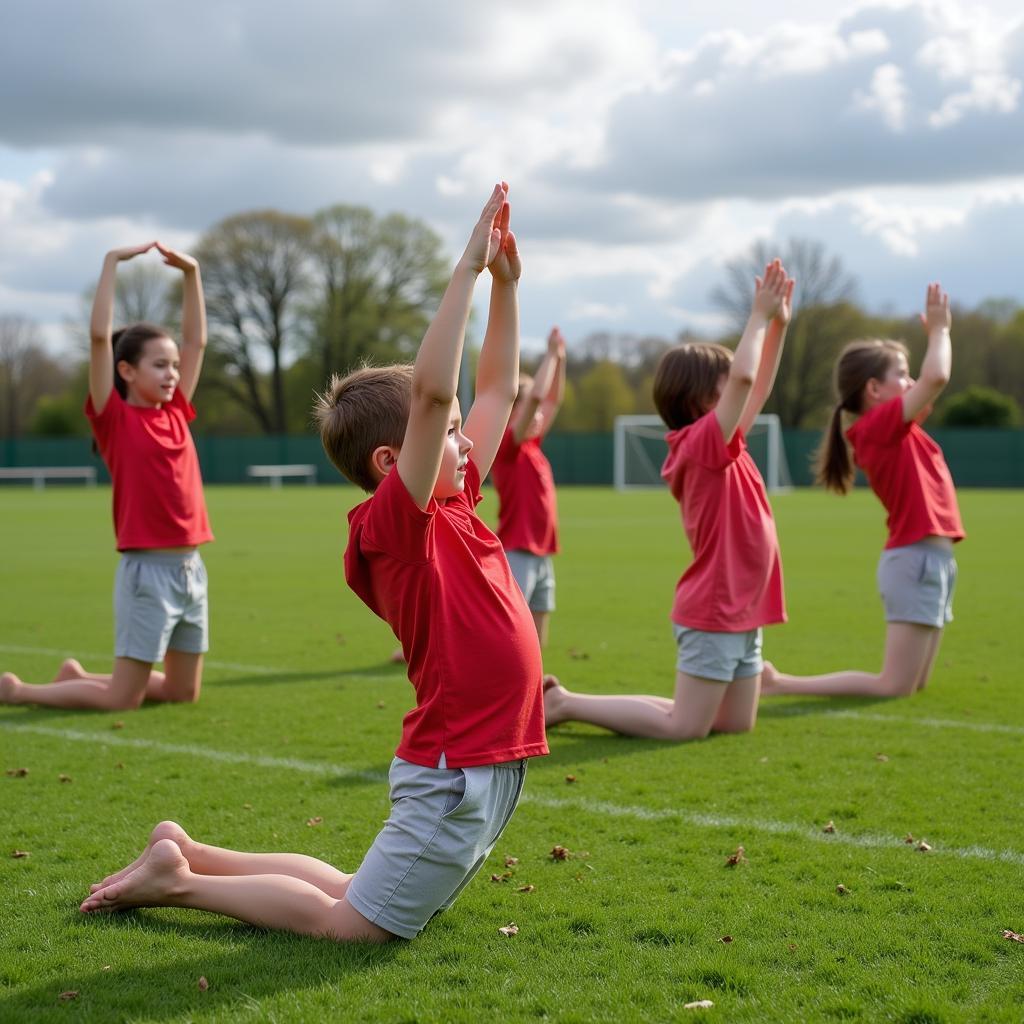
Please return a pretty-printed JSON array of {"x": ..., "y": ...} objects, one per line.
[
  {"x": 543, "y": 381},
  {"x": 435, "y": 375},
  {"x": 556, "y": 392},
  {"x": 746, "y": 362},
  {"x": 193, "y": 318},
  {"x": 938, "y": 357},
  {"x": 771, "y": 355},
  {"x": 101, "y": 325},
  {"x": 497, "y": 375}
]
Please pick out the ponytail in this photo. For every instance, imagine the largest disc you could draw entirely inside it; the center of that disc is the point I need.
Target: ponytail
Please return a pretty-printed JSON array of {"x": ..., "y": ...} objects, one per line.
[{"x": 833, "y": 467}]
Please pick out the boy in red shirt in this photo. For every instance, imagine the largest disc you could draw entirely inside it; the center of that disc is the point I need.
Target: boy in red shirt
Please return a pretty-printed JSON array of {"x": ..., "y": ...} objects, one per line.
[
  {"x": 528, "y": 513},
  {"x": 421, "y": 558},
  {"x": 906, "y": 469},
  {"x": 709, "y": 398}
]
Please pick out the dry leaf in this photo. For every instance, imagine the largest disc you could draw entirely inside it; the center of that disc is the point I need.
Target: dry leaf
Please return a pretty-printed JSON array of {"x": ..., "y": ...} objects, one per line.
[
  {"x": 117, "y": 725},
  {"x": 735, "y": 858},
  {"x": 314, "y": 821},
  {"x": 700, "y": 1004},
  {"x": 17, "y": 773},
  {"x": 909, "y": 839},
  {"x": 246, "y": 807},
  {"x": 120, "y": 764},
  {"x": 526, "y": 888},
  {"x": 578, "y": 655},
  {"x": 501, "y": 878},
  {"x": 69, "y": 995},
  {"x": 381, "y": 704},
  {"x": 560, "y": 853},
  {"x": 791, "y": 947},
  {"x": 570, "y": 778},
  {"x": 923, "y": 847},
  {"x": 881, "y": 757},
  {"x": 726, "y": 939},
  {"x": 509, "y": 930},
  {"x": 105, "y": 967},
  {"x": 203, "y": 984},
  {"x": 20, "y": 854},
  {"x": 511, "y": 862},
  {"x": 64, "y": 778},
  {"x": 842, "y": 890},
  {"x": 1013, "y": 936},
  {"x": 830, "y": 827}
]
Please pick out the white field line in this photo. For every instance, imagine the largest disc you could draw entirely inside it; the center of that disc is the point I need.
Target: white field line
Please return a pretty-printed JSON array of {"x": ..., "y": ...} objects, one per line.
[
  {"x": 861, "y": 716},
  {"x": 597, "y": 807}
]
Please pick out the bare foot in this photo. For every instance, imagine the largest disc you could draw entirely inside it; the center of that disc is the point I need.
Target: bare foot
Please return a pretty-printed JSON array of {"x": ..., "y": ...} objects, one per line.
[
  {"x": 769, "y": 680},
  {"x": 554, "y": 694},
  {"x": 163, "y": 876},
  {"x": 165, "y": 830},
  {"x": 70, "y": 668},
  {"x": 10, "y": 688}
]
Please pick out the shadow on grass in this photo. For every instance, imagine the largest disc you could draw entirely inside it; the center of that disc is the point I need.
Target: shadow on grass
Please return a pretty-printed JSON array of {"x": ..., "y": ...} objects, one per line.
[
  {"x": 385, "y": 672},
  {"x": 261, "y": 965}
]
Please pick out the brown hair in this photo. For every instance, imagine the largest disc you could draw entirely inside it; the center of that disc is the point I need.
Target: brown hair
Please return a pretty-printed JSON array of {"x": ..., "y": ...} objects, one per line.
[
  {"x": 686, "y": 381},
  {"x": 359, "y": 412},
  {"x": 860, "y": 362},
  {"x": 129, "y": 343}
]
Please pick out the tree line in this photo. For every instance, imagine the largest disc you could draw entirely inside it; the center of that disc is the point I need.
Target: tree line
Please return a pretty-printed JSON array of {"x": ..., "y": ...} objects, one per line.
[{"x": 291, "y": 299}]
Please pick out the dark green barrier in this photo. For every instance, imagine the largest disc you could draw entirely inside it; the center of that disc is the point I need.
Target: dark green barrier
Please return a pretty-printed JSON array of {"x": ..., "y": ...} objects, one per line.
[{"x": 977, "y": 457}]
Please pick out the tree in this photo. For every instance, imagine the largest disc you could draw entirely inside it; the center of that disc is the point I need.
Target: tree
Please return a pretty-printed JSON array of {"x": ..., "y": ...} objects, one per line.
[
  {"x": 825, "y": 317},
  {"x": 602, "y": 393},
  {"x": 256, "y": 276},
  {"x": 980, "y": 406},
  {"x": 379, "y": 284},
  {"x": 27, "y": 373}
]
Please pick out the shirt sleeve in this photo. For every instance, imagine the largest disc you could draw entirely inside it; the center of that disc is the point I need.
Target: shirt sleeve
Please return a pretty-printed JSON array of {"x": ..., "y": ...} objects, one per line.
[
  {"x": 104, "y": 424},
  {"x": 507, "y": 449},
  {"x": 702, "y": 442},
  {"x": 882, "y": 425},
  {"x": 180, "y": 402},
  {"x": 395, "y": 525}
]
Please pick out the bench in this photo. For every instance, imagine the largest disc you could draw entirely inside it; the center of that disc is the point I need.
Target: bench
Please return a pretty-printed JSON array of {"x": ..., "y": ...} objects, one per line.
[
  {"x": 275, "y": 474},
  {"x": 40, "y": 474}
]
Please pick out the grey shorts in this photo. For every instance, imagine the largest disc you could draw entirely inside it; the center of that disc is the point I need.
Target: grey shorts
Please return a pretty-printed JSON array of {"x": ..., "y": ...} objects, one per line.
[
  {"x": 160, "y": 602},
  {"x": 917, "y": 583},
  {"x": 444, "y": 823},
  {"x": 719, "y": 656},
  {"x": 535, "y": 575}
]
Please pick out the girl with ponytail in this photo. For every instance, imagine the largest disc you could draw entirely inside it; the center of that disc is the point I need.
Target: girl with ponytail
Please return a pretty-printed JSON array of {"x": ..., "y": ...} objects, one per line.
[
  {"x": 906, "y": 469},
  {"x": 139, "y": 406}
]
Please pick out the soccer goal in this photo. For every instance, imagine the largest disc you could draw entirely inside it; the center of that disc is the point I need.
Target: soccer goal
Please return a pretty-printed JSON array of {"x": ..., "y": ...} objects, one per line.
[{"x": 640, "y": 450}]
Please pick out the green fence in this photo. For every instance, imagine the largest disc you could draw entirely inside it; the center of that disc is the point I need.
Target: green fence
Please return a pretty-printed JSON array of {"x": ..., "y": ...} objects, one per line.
[{"x": 977, "y": 458}]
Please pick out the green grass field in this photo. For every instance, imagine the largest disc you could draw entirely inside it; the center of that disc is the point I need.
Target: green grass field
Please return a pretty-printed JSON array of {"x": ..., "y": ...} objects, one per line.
[{"x": 301, "y": 713}]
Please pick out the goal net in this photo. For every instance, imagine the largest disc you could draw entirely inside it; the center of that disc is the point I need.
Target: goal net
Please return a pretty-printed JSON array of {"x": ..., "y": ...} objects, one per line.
[{"x": 640, "y": 450}]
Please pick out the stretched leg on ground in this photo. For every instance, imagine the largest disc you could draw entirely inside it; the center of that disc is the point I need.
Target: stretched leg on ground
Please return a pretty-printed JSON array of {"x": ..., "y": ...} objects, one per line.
[{"x": 123, "y": 690}]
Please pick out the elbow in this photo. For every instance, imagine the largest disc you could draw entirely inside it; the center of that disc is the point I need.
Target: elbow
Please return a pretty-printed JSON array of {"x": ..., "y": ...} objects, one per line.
[
  {"x": 935, "y": 380},
  {"x": 433, "y": 393},
  {"x": 742, "y": 376}
]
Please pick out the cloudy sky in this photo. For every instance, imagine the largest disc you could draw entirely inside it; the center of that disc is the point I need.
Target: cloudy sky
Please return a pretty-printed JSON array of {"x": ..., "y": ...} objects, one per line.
[{"x": 646, "y": 144}]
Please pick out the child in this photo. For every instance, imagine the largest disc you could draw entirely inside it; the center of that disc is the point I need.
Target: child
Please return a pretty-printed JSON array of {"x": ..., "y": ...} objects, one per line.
[
  {"x": 709, "y": 398},
  {"x": 421, "y": 558},
  {"x": 527, "y": 514},
  {"x": 139, "y": 406},
  {"x": 905, "y": 468}
]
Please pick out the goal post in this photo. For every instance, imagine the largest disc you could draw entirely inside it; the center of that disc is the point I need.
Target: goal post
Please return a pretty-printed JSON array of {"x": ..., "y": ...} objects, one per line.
[{"x": 640, "y": 449}]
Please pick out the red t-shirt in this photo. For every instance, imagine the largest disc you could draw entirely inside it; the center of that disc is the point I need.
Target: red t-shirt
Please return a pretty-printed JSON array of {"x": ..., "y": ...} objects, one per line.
[
  {"x": 154, "y": 469},
  {"x": 734, "y": 582},
  {"x": 441, "y": 580},
  {"x": 527, "y": 511},
  {"x": 906, "y": 470}
]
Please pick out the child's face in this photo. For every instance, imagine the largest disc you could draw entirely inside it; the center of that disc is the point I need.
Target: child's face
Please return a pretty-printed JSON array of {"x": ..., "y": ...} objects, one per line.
[
  {"x": 153, "y": 379},
  {"x": 451, "y": 477},
  {"x": 897, "y": 379}
]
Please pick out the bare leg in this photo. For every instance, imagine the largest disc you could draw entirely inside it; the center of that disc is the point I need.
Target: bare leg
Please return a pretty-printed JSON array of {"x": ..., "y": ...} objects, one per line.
[
  {"x": 164, "y": 879},
  {"x": 691, "y": 715},
  {"x": 922, "y": 681},
  {"x": 180, "y": 681},
  {"x": 909, "y": 652},
  {"x": 125, "y": 689},
  {"x": 213, "y": 860},
  {"x": 71, "y": 668},
  {"x": 541, "y": 620}
]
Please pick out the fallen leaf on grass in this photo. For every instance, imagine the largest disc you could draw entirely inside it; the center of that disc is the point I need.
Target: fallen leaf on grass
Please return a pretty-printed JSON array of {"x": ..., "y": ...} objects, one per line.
[
  {"x": 381, "y": 704},
  {"x": 726, "y": 939},
  {"x": 842, "y": 890},
  {"x": 922, "y": 847},
  {"x": 202, "y": 984},
  {"x": 736, "y": 858},
  {"x": 577, "y": 655},
  {"x": 700, "y": 1004},
  {"x": 881, "y": 757},
  {"x": 120, "y": 764},
  {"x": 502, "y": 877},
  {"x": 246, "y": 807},
  {"x": 791, "y": 947},
  {"x": 560, "y": 853},
  {"x": 1013, "y": 936},
  {"x": 117, "y": 725},
  {"x": 909, "y": 839},
  {"x": 17, "y": 773},
  {"x": 509, "y": 930},
  {"x": 830, "y": 827},
  {"x": 526, "y": 888},
  {"x": 570, "y": 778},
  {"x": 64, "y": 778},
  {"x": 69, "y": 995},
  {"x": 20, "y": 854},
  {"x": 311, "y": 822},
  {"x": 511, "y": 862}
]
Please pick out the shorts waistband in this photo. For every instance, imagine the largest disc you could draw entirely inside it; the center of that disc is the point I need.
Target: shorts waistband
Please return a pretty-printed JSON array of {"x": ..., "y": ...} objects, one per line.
[{"x": 170, "y": 558}]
